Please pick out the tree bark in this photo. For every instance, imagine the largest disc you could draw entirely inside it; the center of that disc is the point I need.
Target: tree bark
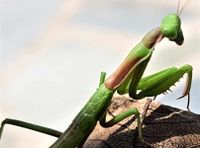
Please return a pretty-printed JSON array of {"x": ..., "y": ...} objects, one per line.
[{"x": 164, "y": 126}]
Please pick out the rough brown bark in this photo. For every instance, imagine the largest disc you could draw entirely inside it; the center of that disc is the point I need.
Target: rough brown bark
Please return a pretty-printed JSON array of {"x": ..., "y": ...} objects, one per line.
[{"x": 164, "y": 126}]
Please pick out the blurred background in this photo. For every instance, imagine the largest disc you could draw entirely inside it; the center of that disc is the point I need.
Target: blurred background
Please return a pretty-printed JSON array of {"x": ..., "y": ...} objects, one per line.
[{"x": 52, "y": 53}]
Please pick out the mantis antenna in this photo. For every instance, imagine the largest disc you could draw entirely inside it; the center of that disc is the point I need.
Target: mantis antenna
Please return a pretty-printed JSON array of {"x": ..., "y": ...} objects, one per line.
[{"x": 178, "y": 10}]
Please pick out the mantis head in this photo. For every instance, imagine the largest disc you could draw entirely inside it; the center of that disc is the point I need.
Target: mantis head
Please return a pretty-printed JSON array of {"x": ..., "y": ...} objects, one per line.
[{"x": 171, "y": 28}]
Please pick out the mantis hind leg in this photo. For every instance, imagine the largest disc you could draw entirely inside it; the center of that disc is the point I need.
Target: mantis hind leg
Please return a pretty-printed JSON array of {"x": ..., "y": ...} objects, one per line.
[
  {"x": 160, "y": 82},
  {"x": 30, "y": 126}
]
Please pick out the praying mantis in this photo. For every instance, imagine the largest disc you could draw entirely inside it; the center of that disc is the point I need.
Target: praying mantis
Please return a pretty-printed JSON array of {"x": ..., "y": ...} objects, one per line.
[{"x": 126, "y": 79}]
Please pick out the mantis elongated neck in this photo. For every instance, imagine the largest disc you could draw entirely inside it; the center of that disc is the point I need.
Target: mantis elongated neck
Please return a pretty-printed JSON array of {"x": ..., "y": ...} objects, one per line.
[{"x": 135, "y": 57}]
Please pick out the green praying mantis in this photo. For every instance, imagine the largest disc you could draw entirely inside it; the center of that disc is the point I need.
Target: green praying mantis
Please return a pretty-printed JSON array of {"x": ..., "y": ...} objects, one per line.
[{"x": 126, "y": 79}]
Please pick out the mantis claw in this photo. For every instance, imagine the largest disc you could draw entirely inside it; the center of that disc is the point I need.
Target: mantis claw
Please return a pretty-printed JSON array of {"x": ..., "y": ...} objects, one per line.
[{"x": 188, "y": 102}]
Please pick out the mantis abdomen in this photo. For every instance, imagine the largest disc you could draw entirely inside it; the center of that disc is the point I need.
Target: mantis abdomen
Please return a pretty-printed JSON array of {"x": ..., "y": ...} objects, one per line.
[{"x": 86, "y": 120}]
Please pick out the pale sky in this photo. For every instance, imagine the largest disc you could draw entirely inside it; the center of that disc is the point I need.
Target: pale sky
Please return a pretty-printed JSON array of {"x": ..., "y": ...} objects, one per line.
[{"x": 52, "y": 53}]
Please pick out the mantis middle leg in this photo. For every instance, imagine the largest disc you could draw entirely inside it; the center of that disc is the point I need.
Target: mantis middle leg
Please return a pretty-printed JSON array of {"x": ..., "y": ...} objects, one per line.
[{"x": 116, "y": 119}]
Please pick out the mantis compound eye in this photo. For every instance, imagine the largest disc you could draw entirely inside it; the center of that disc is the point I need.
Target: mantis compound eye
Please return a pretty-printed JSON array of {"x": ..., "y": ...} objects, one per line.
[{"x": 171, "y": 28}]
